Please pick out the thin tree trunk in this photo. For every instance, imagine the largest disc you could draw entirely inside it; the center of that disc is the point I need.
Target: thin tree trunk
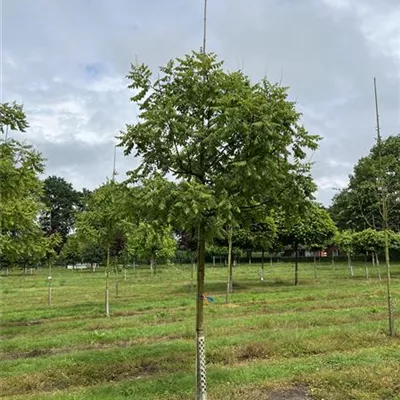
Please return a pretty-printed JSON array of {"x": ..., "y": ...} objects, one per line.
[
  {"x": 200, "y": 339},
  {"x": 193, "y": 270},
  {"x": 373, "y": 258},
  {"x": 388, "y": 280},
  {"x": 349, "y": 264},
  {"x": 315, "y": 266},
  {"x": 366, "y": 271},
  {"x": 49, "y": 294},
  {"x": 384, "y": 218},
  {"x": 49, "y": 279},
  {"x": 296, "y": 265},
  {"x": 191, "y": 274},
  {"x": 378, "y": 266},
  {"x": 262, "y": 266},
  {"x": 229, "y": 286},
  {"x": 107, "y": 304},
  {"x": 152, "y": 266}
]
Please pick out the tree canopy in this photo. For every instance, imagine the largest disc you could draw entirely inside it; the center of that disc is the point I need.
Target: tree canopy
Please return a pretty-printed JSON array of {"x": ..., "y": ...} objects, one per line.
[
  {"x": 358, "y": 206},
  {"x": 62, "y": 202},
  {"x": 21, "y": 239}
]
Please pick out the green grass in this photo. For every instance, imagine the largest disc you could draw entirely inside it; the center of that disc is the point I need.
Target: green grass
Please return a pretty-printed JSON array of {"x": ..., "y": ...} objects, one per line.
[{"x": 325, "y": 337}]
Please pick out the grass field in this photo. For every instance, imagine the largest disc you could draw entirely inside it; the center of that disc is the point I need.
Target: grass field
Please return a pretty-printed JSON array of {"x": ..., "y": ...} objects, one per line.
[{"x": 326, "y": 339}]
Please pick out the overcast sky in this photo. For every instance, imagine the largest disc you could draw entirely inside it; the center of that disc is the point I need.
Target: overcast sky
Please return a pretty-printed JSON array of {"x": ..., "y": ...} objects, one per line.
[{"x": 66, "y": 60}]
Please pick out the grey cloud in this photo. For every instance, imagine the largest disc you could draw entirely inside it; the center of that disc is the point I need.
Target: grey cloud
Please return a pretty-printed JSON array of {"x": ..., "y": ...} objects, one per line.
[{"x": 325, "y": 50}]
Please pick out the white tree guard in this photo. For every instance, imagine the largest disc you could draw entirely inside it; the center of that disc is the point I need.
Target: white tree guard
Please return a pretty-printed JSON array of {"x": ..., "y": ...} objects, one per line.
[{"x": 201, "y": 369}]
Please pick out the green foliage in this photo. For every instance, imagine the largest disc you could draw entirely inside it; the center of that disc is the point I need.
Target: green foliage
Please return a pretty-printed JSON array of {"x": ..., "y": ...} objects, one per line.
[
  {"x": 313, "y": 228},
  {"x": 150, "y": 242},
  {"x": 358, "y": 206},
  {"x": 61, "y": 202},
  {"x": 345, "y": 241},
  {"x": 232, "y": 144},
  {"x": 102, "y": 223},
  {"x": 12, "y": 117},
  {"x": 370, "y": 240},
  {"x": 21, "y": 240},
  {"x": 71, "y": 252}
]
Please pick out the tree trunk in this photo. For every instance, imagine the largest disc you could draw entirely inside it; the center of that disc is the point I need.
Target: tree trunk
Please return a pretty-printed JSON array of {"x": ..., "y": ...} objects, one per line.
[
  {"x": 373, "y": 258},
  {"x": 106, "y": 305},
  {"x": 192, "y": 269},
  {"x": 49, "y": 294},
  {"x": 229, "y": 288},
  {"x": 296, "y": 265},
  {"x": 152, "y": 266},
  {"x": 366, "y": 271},
  {"x": 213, "y": 261},
  {"x": 349, "y": 264},
  {"x": 49, "y": 279},
  {"x": 200, "y": 339},
  {"x": 388, "y": 280},
  {"x": 230, "y": 265},
  {"x": 262, "y": 266},
  {"x": 315, "y": 265},
  {"x": 378, "y": 266},
  {"x": 125, "y": 272}
]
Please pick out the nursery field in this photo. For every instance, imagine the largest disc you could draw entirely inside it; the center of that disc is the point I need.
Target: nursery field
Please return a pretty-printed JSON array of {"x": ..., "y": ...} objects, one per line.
[{"x": 324, "y": 339}]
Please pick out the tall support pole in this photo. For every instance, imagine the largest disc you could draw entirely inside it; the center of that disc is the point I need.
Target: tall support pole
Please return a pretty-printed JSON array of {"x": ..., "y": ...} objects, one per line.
[
  {"x": 383, "y": 188},
  {"x": 205, "y": 27},
  {"x": 201, "y": 380}
]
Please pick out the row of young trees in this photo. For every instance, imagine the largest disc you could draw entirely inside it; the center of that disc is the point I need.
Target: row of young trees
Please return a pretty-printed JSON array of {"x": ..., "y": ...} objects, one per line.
[{"x": 236, "y": 153}]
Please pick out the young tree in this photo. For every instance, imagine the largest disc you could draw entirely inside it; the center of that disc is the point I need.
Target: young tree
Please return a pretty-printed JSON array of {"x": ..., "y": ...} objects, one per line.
[
  {"x": 263, "y": 233},
  {"x": 313, "y": 225},
  {"x": 151, "y": 242},
  {"x": 345, "y": 241},
  {"x": 100, "y": 225},
  {"x": 217, "y": 133},
  {"x": 370, "y": 241}
]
